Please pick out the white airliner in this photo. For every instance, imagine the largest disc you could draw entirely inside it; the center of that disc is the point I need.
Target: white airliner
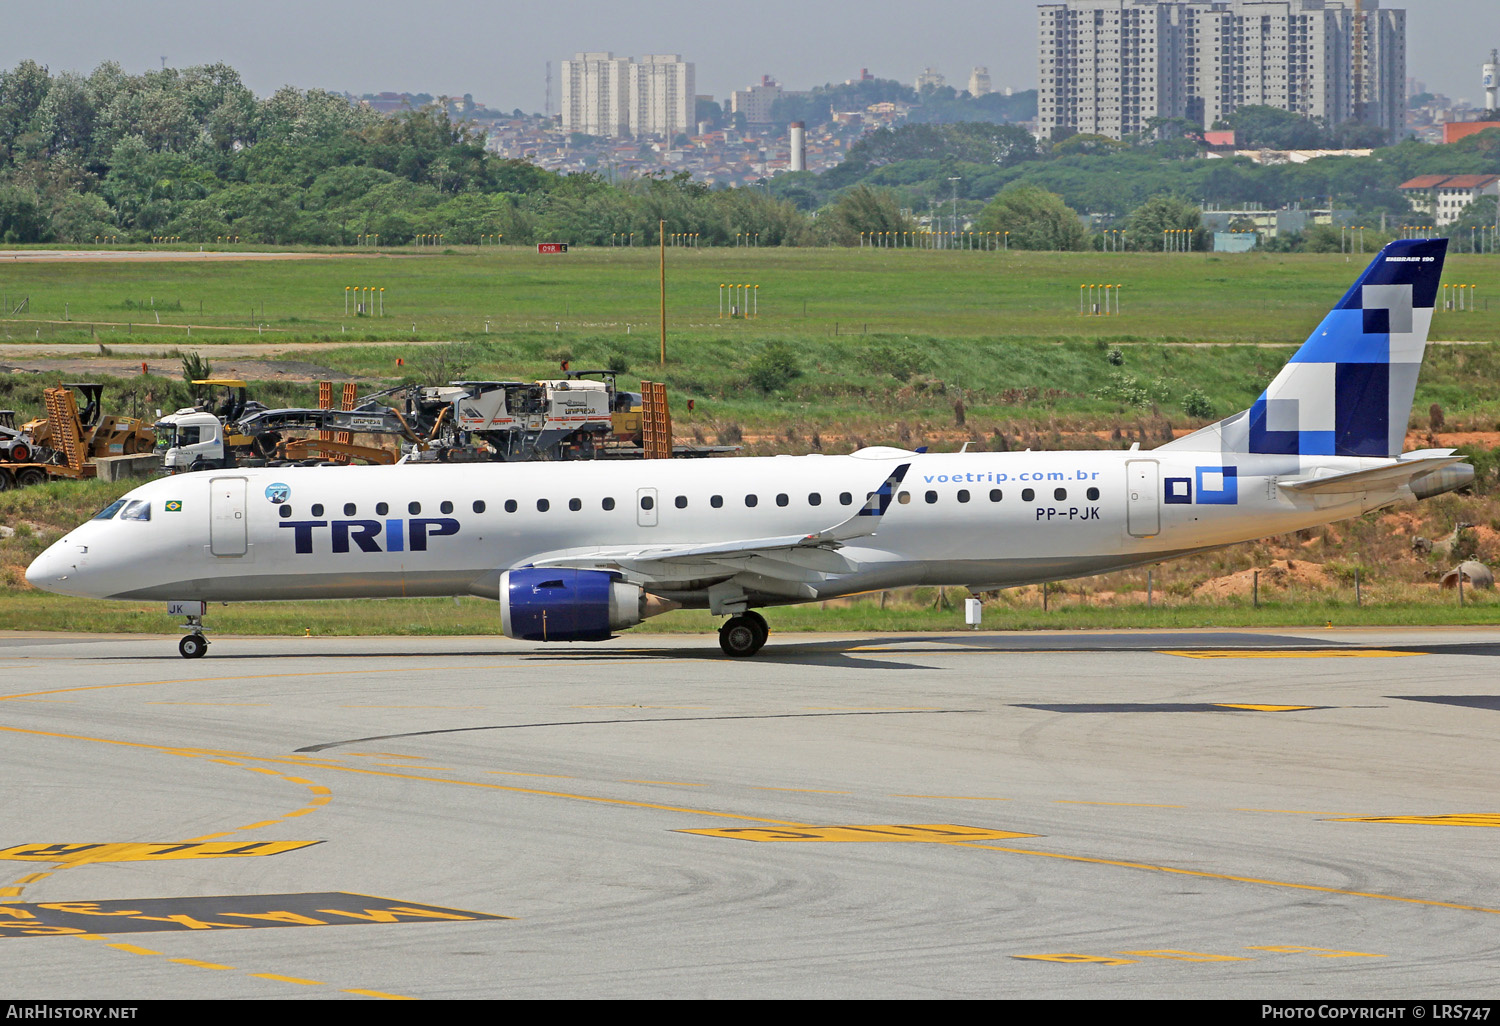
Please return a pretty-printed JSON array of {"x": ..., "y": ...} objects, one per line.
[{"x": 576, "y": 551}]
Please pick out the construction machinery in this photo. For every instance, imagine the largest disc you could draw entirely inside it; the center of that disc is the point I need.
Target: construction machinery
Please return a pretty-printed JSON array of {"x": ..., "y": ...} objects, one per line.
[
  {"x": 567, "y": 418},
  {"x": 227, "y": 429},
  {"x": 18, "y": 454},
  {"x": 96, "y": 433},
  {"x": 16, "y": 446},
  {"x": 70, "y": 439},
  {"x": 581, "y": 416},
  {"x": 67, "y": 442}
]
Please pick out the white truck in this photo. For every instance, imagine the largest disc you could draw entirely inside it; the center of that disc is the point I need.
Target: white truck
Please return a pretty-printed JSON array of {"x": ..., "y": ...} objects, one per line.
[{"x": 190, "y": 439}]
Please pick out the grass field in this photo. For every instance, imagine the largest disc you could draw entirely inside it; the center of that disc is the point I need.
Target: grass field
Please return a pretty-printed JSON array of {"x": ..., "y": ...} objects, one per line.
[
  {"x": 884, "y": 343},
  {"x": 802, "y": 293}
]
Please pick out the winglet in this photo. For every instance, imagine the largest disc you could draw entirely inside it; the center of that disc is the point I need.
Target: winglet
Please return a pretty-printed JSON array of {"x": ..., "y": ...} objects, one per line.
[{"x": 867, "y": 519}]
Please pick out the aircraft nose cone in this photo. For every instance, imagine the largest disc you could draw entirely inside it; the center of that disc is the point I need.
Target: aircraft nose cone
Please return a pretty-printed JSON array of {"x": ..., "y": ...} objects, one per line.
[
  {"x": 48, "y": 570},
  {"x": 35, "y": 573}
]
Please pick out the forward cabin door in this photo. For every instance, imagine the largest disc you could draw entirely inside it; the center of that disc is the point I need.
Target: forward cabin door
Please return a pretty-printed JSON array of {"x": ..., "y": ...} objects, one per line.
[
  {"x": 226, "y": 502},
  {"x": 1142, "y": 509}
]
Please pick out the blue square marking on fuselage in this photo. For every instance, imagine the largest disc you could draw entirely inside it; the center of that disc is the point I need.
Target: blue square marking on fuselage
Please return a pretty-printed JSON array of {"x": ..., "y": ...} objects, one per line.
[
  {"x": 1178, "y": 491},
  {"x": 1218, "y": 486}
]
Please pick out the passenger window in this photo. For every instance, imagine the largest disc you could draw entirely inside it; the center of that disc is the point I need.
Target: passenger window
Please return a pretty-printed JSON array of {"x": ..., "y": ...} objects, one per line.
[
  {"x": 108, "y": 512},
  {"x": 782, "y": 499},
  {"x": 995, "y": 495},
  {"x": 411, "y": 507},
  {"x": 751, "y": 500},
  {"x": 931, "y": 497},
  {"x": 510, "y": 505},
  {"x": 317, "y": 509},
  {"x": 815, "y": 499},
  {"x": 647, "y": 502},
  {"x": 478, "y": 505},
  {"x": 285, "y": 511},
  {"x": 716, "y": 501},
  {"x": 1093, "y": 494},
  {"x": 1060, "y": 494},
  {"x": 349, "y": 509},
  {"x": 845, "y": 499},
  {"x": 542, "y": 505},
  {"x": 1028, "y": 494},
  {"x": 903, "y": 498},
  {"x": 608, "y": 503},
  {"x": 963, "y": 495},
  {"x": 681, "y": 502},
  {"x": 575, "y": 505},
  {"x": 136, "y": 509},
  {"x": 446, "y": 507},
  {"x": 382, "y": 508}
]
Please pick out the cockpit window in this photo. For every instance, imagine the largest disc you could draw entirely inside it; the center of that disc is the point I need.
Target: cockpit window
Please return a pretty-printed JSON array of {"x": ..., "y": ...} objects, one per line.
[
  {"x": 136, "y": 509},
  {"x": 108, "y": 512}
]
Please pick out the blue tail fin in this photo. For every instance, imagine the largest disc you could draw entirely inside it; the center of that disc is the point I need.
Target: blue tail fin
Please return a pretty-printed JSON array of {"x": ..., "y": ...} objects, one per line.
[{"x": 1348, "y": 391}]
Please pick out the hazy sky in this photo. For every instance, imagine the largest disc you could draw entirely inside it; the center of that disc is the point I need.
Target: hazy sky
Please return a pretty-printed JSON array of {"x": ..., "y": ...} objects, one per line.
[{"x": 498, "y": 50}]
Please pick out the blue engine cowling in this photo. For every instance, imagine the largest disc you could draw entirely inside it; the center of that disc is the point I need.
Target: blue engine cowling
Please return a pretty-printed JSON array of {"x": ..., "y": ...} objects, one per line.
[{"x": 566, "y": 605}]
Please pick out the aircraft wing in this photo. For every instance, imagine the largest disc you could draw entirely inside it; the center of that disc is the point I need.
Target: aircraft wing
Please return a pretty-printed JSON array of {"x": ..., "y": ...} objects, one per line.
[
  {"x": 790, "y": 560},
  {"x": 1392, "y": 476}
]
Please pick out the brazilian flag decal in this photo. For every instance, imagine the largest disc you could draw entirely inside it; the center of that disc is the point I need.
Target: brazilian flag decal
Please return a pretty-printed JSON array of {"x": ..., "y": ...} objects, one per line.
[{"x": 174, "y": 505}]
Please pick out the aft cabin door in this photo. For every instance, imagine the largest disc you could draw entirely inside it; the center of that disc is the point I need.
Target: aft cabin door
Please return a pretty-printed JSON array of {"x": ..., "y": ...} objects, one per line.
[
  {"x": 227, "y": 516},
  {"x": 1142, "y": 510}
]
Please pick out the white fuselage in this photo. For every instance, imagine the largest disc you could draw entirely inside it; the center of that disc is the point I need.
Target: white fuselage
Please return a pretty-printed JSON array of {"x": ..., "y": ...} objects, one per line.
[{"x": 980, "y": 520}]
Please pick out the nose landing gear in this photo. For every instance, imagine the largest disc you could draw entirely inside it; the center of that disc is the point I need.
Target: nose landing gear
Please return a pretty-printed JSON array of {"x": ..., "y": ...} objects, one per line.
[
  {"x": 193, "y": 643},
  {"x": 743, "y": 635},
  {"x": 192, "y": 646}
]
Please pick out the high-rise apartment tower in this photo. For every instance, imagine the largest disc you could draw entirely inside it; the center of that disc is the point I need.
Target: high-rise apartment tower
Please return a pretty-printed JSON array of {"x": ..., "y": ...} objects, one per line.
[
  {"x": 614, "y": 96},
  {"x": 1108, "y": 67}
]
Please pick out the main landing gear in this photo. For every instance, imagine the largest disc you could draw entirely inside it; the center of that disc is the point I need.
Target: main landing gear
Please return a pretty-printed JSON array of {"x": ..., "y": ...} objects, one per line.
[{"x": 743, "y": 635}]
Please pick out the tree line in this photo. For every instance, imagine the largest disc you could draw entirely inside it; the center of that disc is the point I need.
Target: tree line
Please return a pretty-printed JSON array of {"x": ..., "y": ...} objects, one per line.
[{"x": 194, "y": 154}]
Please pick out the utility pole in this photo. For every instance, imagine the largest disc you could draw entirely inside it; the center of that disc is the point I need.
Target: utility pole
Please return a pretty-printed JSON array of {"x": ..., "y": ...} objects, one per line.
[
  {"x": 955, "y": 180},
  {"x": 662, "y": 239}
]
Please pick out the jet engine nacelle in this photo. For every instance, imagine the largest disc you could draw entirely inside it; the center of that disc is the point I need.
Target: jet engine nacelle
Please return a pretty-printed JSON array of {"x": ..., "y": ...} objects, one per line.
[{"x": 566, "y": 605}]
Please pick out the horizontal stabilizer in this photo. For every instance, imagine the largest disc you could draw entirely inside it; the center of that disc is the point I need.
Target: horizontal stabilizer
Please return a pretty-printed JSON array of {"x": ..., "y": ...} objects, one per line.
[{"x": 1387, "y": 478}]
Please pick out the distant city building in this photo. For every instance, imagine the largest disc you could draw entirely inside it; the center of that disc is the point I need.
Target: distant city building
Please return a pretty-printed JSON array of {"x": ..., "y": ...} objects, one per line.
[
  {"x": 614, "y": 96},
  {"x": 930, "y": 77},
  {"x": 663, "y": 98},
  {"x": 979, "y": 82},
  {"x": 756, "y": 102},
  {"x": 1444, "y": 197},
  {"x": 1453, "y": 131},
  {"x": 596, "y": 94},
  {"x": 1108, "y": 67}
]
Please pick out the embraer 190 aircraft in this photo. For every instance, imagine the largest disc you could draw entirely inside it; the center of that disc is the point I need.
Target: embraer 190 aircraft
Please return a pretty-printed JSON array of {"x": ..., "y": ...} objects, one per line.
[{"x": 577, "y": 551}]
